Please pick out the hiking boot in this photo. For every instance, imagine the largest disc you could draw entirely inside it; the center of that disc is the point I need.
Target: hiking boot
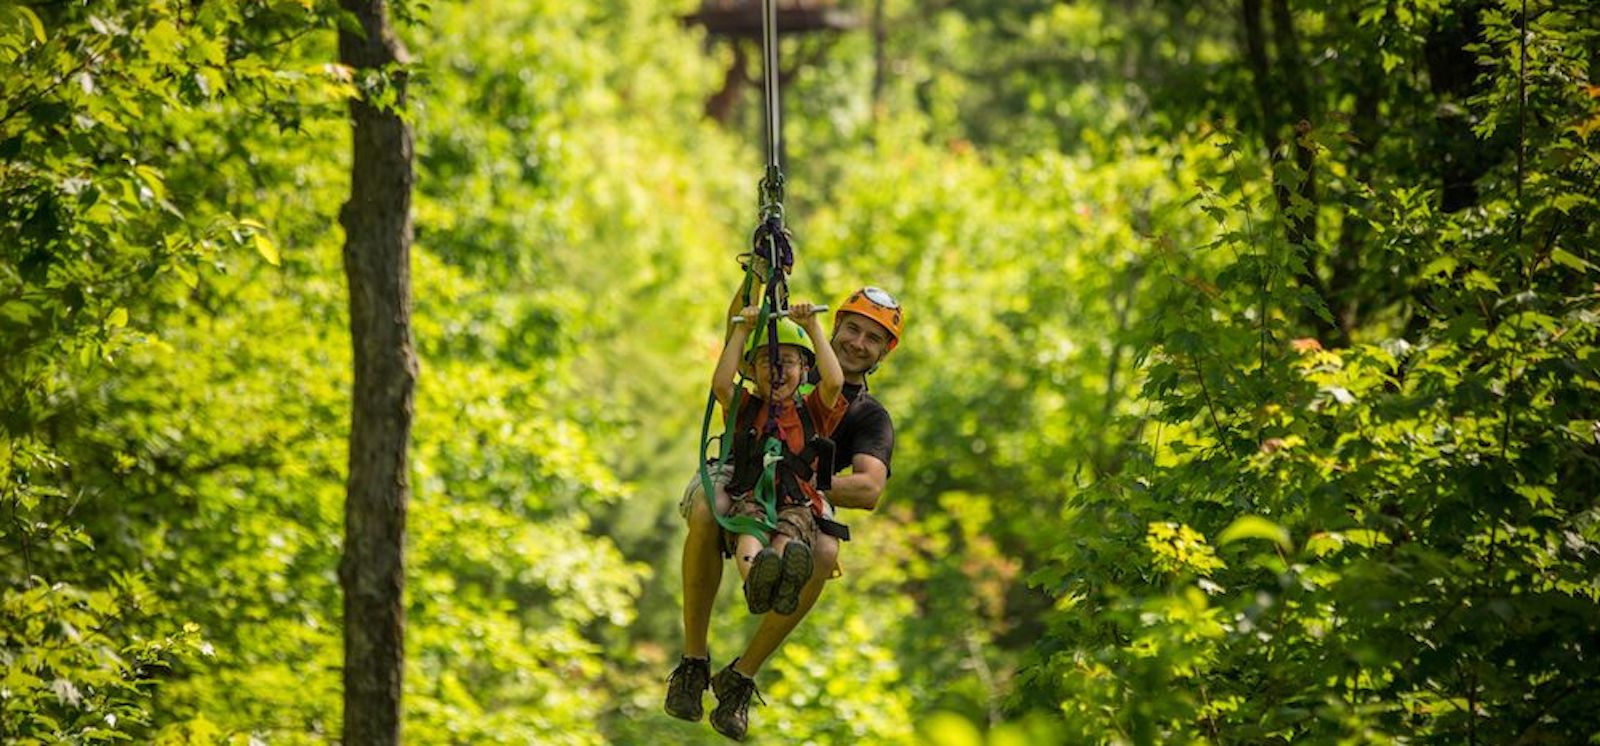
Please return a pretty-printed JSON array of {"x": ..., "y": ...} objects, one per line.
[
  {"x": 795, "y": 573},
  {"x": 762, "y": 580},
  {"x": 685, "y": 686},
  {"x": 733, "y": 689}
]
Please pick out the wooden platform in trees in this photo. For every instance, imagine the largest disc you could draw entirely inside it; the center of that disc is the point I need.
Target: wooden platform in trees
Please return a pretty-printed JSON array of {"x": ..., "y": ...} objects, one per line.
[{"x": 742, "y": 18}]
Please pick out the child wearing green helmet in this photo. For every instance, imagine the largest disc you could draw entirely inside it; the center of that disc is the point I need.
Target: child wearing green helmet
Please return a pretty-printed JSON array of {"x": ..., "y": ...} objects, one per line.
[{"x": 776, "y": 567}]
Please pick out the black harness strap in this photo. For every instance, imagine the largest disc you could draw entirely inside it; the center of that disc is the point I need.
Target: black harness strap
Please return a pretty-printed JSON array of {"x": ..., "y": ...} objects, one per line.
[{"x": 793, "y": 469}]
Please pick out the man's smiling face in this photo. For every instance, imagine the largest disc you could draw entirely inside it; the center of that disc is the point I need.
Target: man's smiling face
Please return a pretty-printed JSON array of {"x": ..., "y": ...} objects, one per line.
[{"x": 859, "y": 342}]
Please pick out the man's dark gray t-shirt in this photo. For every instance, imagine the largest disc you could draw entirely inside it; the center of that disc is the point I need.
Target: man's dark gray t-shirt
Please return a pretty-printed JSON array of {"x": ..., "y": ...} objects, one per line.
[{"x": 866, "y": 428}]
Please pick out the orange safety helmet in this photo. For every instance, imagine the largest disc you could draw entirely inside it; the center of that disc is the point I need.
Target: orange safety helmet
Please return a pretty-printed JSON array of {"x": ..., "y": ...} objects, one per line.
[{"x": 877, "y": 304}]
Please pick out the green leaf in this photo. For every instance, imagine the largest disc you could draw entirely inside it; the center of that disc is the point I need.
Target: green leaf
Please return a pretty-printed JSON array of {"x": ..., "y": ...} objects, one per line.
[
  {"x": 950, "y": 729},
  {"x": 1568, "y": 259},
  {"x": 34, "y": 24},
  {"x": 265, "y": 247},
  {"x": 1479, "y": 280},
  {"x": 1366, "y": 537},
  {"x": 1537, "y": 495},
  {"x": 1255, "y": 527},
  {"x": 162, "y": 41},
  {"x": 1443, "y": 265},
  {"x": 152, "y": 179},
  {"x": 206, "y": 49},
  {"x": 118, "y": 318},
  {"x": 1390, "y": 60},
  {"x": 17, "y": 311},
  {"x": 1566, "y": 202},
  {"x": 1323, "y": 543}
]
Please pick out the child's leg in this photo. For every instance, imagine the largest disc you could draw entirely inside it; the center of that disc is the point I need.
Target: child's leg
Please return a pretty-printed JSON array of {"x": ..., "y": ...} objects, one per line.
[
  {"x": 745, "y": 546},
  {"x": 761, "y": 567},
  {"x": 798, "y": 528},
  {"x": 745, "y": 551}
]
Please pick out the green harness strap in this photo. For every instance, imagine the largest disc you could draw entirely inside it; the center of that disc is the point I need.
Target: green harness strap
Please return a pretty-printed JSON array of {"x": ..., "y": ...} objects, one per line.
[{"x": 765, "y": 492}]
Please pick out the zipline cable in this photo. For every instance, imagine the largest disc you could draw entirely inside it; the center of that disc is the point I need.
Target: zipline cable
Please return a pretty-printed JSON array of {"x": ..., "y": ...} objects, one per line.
[
  {"x": 772, "y": 182},
  {"x": 769, "y": 69}
]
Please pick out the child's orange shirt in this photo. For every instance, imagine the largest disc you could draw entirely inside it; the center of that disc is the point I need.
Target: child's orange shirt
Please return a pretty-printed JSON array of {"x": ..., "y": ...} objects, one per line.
[{"x": 792, "y": 431}]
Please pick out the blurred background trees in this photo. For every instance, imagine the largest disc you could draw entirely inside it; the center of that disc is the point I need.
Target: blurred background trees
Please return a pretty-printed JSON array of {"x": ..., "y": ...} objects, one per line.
[{"x": 1248, "y": 391}]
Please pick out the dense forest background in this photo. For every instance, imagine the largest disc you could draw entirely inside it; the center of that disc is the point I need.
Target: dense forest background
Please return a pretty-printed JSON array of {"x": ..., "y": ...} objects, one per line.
[{"x": 1249, "y": 392}]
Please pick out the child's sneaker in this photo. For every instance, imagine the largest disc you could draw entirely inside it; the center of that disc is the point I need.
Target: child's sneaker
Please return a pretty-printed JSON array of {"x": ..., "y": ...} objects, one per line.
[
  {"x": 795, "y": 573},
  {"x": 762, "y": 580}
]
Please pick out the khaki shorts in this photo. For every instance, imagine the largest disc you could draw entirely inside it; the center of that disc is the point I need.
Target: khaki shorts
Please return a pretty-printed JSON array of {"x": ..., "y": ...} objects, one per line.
[
  {"x": 695, "y": 490},
  {"x": 795, "y": 521}
]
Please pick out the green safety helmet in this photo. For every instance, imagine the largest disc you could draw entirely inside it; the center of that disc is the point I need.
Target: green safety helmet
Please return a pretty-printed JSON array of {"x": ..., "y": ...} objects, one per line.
[{"x": 789, "y": 333}]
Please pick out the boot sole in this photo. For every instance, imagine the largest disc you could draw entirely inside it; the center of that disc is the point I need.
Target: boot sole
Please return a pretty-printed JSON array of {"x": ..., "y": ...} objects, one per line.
[
  {"x": 727, "y": 733},
  {"x": 684, "y": 715},
  {"x": 763, "y": 581},
  {"x": 796, "y": 572}
]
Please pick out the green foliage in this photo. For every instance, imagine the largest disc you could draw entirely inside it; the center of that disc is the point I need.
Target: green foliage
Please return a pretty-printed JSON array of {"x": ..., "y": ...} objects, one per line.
[
  {"x": 207, "y": 452},
  {"x": 96, "y": 232},
  {"x": 70, "y": 673},
  {"x": 1214, "y": 424},
  {"x": 1428, "y": 565}
]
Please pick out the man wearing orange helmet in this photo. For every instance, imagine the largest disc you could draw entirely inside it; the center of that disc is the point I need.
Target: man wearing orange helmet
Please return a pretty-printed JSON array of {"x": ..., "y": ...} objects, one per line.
[{"x": 867, "y": 326}]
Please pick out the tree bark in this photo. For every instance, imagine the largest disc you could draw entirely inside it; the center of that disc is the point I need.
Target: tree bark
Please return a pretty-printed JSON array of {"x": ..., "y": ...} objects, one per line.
[
  {"x": 1302, "y": 230},
  {"x": 1255, "y": 48},
  {"x": 721, "y": 105},
  {"x": 377, "y": 250}
]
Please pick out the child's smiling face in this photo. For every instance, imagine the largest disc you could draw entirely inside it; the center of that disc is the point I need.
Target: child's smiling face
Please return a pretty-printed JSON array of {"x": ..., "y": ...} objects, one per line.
[{"x": 792, "y": 361}]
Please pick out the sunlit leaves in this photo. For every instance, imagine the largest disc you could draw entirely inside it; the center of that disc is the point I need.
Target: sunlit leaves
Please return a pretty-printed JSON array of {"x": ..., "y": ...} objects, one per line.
[
  {"x": 69, "y": 672},
  {"x": 1178, "y": 548},
  {"x": 1255, "y": 527},
  {"x": 1431, "y": 462}
]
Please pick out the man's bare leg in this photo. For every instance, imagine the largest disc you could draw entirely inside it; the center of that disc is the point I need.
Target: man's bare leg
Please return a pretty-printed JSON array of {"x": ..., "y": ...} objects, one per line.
[
  {"x": 774, "y": 626},
  {"x": 702, "y": 575}
]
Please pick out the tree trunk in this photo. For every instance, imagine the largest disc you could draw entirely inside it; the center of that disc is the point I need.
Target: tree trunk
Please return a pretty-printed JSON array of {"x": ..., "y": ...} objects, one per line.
[
  {"x": 880, "y": 61},
  {"x": 377, "y": 250},
  {"x": 1302, "y": 230},
  {"x": 1275, "y": 121},
  {"x": 721, "y": 105},
  {"x": 1255, "y": 49}
]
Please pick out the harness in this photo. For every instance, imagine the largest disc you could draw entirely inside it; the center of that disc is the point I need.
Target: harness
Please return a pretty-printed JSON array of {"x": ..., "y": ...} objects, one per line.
[{"x": 791, "y": 469}]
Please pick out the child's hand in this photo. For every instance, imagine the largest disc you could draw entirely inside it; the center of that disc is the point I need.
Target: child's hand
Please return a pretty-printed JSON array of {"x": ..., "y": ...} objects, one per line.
[
  {"x": 750, "y": 314},
  {"x": 802, "y": 313}
]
